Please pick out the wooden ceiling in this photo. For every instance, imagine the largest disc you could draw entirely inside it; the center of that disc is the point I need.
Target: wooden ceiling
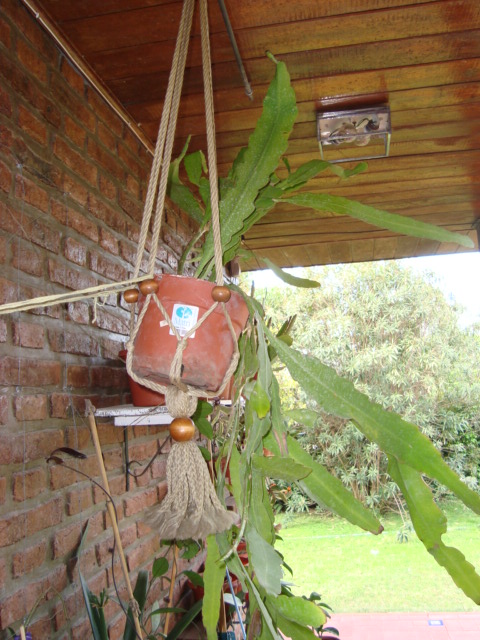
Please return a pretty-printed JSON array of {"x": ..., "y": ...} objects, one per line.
[{"x": 420, "y": 57}]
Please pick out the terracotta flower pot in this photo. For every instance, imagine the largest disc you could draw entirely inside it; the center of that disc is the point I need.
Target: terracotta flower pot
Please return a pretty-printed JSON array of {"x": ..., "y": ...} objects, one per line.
[
  {"x": 209, "y": 350},
  {"x": 142, "y": 396}
]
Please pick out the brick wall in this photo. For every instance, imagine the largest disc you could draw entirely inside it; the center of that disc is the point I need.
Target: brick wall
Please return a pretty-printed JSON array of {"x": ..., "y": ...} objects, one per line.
[{"x": 72, "y": 181}]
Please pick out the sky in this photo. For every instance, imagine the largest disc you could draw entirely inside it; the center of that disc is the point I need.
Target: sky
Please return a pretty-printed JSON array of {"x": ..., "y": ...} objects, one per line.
[{"x": 457, "y": 276}]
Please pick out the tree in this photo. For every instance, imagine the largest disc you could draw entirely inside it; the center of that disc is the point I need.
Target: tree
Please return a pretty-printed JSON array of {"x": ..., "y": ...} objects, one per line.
[{"x": 393, "y": 333}]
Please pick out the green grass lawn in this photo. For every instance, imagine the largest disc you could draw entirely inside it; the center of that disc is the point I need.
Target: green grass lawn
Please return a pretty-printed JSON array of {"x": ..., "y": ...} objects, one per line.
[{"x": 359, "y": 572}]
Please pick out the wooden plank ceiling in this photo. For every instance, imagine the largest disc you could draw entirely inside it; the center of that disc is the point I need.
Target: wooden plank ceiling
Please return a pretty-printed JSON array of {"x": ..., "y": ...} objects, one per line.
[{"x": 420, "y": 57}]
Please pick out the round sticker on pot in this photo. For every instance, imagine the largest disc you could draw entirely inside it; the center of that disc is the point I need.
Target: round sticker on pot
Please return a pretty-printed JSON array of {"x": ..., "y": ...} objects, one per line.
[{"x": 184, "y": 317}]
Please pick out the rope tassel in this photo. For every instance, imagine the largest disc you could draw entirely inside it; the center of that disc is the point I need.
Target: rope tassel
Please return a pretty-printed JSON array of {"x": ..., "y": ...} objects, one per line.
[{"x": 191, "y": 508}]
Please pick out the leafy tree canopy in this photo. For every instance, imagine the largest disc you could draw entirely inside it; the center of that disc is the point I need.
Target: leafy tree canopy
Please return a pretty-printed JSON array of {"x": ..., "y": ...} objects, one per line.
[{"x": 392, "y": 332}]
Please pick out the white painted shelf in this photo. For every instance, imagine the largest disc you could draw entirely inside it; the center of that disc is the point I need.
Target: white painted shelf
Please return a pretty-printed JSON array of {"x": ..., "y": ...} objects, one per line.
[{"x": 127, "y": 415}]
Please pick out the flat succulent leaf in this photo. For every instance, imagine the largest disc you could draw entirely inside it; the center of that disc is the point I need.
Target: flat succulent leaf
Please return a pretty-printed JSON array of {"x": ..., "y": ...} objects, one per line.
[
  {"x": 383, "y": 219},
  {"x": 388, "y": 430},
  {"x": 266, "y": 562},
  {"x": 195, "y": 164},
  {"x": 213, "y": 578},
  {"x": 280, "y": 468},
  {"x": 307, "y": 417},
  {"x": 324, "y": 488},
  {"x": 430, "y": 524},
  {"x": 257, "y": 163},
  {"x": 299, "y": 610},
  {"x": 289, "y": 278}
]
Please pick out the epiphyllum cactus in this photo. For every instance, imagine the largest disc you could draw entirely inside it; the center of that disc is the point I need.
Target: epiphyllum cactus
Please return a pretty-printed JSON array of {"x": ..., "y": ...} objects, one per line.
[{"x": 250, "y": 191}]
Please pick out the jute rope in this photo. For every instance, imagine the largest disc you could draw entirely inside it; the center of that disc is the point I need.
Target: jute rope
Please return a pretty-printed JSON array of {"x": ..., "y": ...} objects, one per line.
[{"x": 167, "y": 128}]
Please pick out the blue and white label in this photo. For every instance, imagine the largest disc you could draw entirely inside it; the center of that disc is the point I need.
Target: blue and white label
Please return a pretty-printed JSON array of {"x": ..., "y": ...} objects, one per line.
[{"x": 184, "y": 317}]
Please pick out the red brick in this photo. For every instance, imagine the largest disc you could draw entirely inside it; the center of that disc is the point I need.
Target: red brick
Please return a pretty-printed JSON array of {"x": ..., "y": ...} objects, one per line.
[
  {"x": 74, "y": 161},
  {"x": 108, "y": 242},
  {"x": 127, "y": 251},
  {"x": 140, "y": 501},
  {"x": 117, "y": 488},
  {"x": 63, "y": 94},
  {"x": 60, "y": 477},
  {"x": 30, "y": 407},
  {"x": 30, "y": 373},
  {"x": 108, "y": 377},
  {"x": 132, "y": 208},
  {"x": 3, "y": 250},
  {"x": 142, "y": 553},
  {"x": 75, "y": 220},
  {"x": 78, "y": 376},
  {"x": 32, "y": 193},
  {"x": 31, "y": 60},
  {"x": 75, "y": 252},
  {"x": 66, "y": 540},
  {"x": 26, "y": 560},
  {"x": 31, "y": 229},
  {"x": 110, "y": 348},
  {"x": 74, "y": 132},
  {"x": 131, "y": 161},
  {"x": 106, "y": 137},
  {"x": 77, "y": 437},
  {"x": 105, "y": 159},
  {"x": 5, "y": 177},
  {"x": 28, "y": 484},
  {"x": 113, "y": 459},
  {"x": 107, "y": 268},
  {"x": 17, "y": 524},
  {"x": 107, "y": 187},
  {"x": 3, "y": 492},
  {"x": 74, "y": 189},
  {"x": 107, "y": 214},
  {"x": 159, "y": 467},
  {"x": 104, "y": 112},
  {"x": 5, "y": 102},
  {"x": 111, "y": 322},
  {"x": 63, "y": 405},
  {"x": 69, "y": 277},
  {"x": 3, "y": 331},
  {"x": 79, "y": 500},
  {"x": 15, "y": 606},
  {"x": 41, "y": 627},
  {"x": 39, "y": 444},
  {"x": 3, "y": 409},
  {"x": 79, "y": 312},
  {"x": 33, "y": 126},
  {"x": 74, "y": 79},
  {"x": 27, "y": 260},
  {"x": 28, "y": 334},
  {"x": 29, "y": 28},
  {"x": 74, "y": 343},
  {"x": 133, "y": 187}
]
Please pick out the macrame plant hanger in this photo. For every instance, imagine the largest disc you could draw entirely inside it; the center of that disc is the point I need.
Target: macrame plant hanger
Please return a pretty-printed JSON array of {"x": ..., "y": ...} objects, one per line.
[{"x": 191, "y": 508}]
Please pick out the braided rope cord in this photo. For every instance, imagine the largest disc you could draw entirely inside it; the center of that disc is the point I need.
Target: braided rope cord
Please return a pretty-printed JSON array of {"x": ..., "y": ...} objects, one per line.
[{"x": 176, "y": 80}]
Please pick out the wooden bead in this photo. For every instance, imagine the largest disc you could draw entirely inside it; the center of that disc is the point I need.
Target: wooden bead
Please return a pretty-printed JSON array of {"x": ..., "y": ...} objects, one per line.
[
  {"x": 221, "y": 294},
  {"x": 182, "y": 429},
  {"x": 148, "y": 286},
  {"x": 130, "y": 295}
]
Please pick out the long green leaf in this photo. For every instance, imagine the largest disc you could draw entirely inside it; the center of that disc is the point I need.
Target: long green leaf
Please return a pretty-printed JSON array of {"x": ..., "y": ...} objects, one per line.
[
  {"x": 378, "y": 218},
  {"x": 213, "y": 578},
  {"x": 257, "y": 163},
  {"x": 303, "y": 612},
  {"x": 280, "y": 468},
  {"x": 289, "y": 278},
  {"x": 266, "y": 562},
  {"x": 140, "y": 595},
  {"x": 324, "y": 488},
  {"x": 95, "y": 615},
  {"x": 430, "y": 524},
  {"x": 393, "y": 435},
  {"x": 185, "y": 621}
]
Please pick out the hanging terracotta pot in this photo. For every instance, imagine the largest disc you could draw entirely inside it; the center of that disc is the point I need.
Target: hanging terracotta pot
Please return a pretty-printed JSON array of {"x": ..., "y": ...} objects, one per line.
[
  {"x": 209, "y": 350},
  {"x": 141, "y": 396}
]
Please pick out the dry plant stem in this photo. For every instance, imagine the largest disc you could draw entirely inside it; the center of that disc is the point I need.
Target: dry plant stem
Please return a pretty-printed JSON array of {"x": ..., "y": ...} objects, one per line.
[
  {"x": 111, "y": 513},
  {"x": 172, "y": 587},
  {"x": 22, "y": 633}
]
